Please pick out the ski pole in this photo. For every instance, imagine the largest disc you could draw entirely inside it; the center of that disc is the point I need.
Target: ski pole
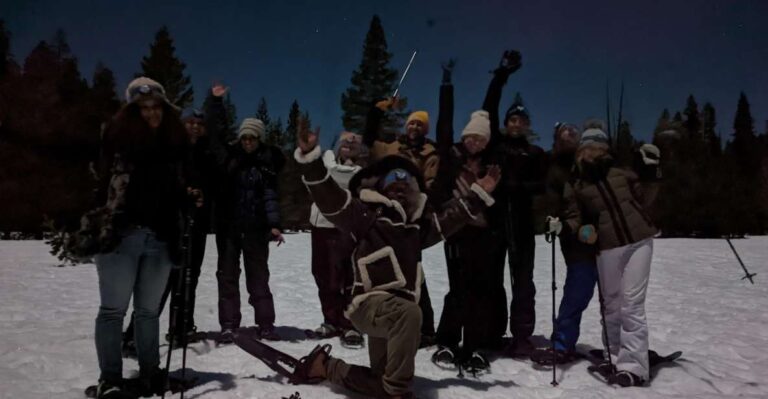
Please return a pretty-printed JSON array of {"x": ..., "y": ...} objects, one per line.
[
  {"x": 602, "y": 319},
  {"x": 397, "y": 90},
  {"x": 551, "y": 238},
  {"x": 748, "y": 275}
]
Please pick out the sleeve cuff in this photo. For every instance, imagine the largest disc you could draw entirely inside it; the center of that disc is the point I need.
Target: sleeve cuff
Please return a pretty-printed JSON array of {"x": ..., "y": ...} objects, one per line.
[
  {"x": 487, "y": 199},
  {"x": 308, "y": 157}
]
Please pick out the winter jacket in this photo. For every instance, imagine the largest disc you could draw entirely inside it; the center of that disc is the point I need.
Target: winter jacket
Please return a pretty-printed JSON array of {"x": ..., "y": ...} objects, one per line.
[
  {"x": 559, "y": 174},
  {"x": 204, "y": 175},
  {"x": 246, "y": 197},
  {"x": 423, "y": 153},
  {"x": 523, "y": 167},
  {"x": 612, "y": 199},
  {"x": 455, "y": 177},
  {"x": 341, "y": 174},
  {"x": 144, "y": 184},
  {"x": 388, "y": 242}
]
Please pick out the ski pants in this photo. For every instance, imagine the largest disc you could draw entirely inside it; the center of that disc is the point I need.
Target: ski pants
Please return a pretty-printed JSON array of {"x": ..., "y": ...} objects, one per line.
[
  {"x": 328, "y": 269},
  {"x": 393, "y": 326},
  {"x": 475, "y": 293},
  {"x": 139, "y": 266},
  {"x": 255, "y": 250},
  {"x": 428, "y": 315},
  {"x": 580, "y": 280},
  {"x": 196, "y": 263},
  {"x": 520, "y": 248},
  {"x": 623, "y": 274}
]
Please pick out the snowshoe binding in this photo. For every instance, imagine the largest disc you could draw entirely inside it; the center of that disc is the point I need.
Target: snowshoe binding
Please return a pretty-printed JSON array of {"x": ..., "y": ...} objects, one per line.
[
  {"x": 444, "y": 357},
  {"x": 352, "y": 339}
]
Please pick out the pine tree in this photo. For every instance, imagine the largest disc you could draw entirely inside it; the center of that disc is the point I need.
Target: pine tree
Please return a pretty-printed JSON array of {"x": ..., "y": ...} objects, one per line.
[
  {"x": 262, "y": 112},
  {"x": 289, "y": 143},
  {"x": 5, "y": 49},
  {"x": 744, "y": 144},
  {"x": 163, "y": 66},
  {"x": 692, "y": 119},
  {"x": 275, "y": 133},
  {"x": 711, "y": 138},
  {"x": 372, "y": 80},
  {"x": 625, "y": 145},
  {"x": 103, "y": 93}
]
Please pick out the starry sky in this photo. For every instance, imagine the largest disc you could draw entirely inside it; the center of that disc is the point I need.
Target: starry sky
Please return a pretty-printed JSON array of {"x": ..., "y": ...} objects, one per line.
[{"x": 307, "y": 50}]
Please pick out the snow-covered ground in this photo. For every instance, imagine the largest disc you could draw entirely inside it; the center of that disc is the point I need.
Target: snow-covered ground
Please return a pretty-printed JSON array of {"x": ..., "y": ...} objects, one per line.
[{"x": 696, "y": 303}]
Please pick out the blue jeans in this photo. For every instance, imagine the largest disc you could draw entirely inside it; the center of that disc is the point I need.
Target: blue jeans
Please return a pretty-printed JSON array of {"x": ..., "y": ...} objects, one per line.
[
  {"x": 140, "y": 265},
  {"x": 580, "y": 281}
]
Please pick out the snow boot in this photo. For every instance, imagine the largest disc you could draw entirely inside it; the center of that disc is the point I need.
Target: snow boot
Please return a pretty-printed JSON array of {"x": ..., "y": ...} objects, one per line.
[
  {"x": 520, "y": 348},
  {"x": 476, "y": 363},
  {"x": 311, "y": 368},
  {"x": 628, "y": 379},
  {"x": 226, "y": 337},
  {"x": 427, "y": 341},
  {"x": 352, "y": 339},
  {"x": 444, "y": 357},
  {"x": 268, "y": 332},
  {"x": 105, "y": 390},
  {"x": 544, "y": 356}
]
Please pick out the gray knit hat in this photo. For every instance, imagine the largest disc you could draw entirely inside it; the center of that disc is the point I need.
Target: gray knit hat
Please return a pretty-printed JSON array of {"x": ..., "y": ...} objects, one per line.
[
  {"x": 593, "y": 134},
  {"x": 251, "y": 127}
]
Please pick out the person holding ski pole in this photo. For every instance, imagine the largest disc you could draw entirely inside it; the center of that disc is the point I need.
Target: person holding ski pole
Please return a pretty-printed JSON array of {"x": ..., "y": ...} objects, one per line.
[
  {"x": 605, "y": 206},
  {"x": 581, "y": 267},
  {"x": 473, "y": 291},
  {"x": 386, "y": 211},
  {"x": 422, "y": 152},
  {"x": 143, "y": 180},
  {"x": 331, "y": 249},
  {"x": 247, "y": 218},
  {"x": 523, "y": 169}
]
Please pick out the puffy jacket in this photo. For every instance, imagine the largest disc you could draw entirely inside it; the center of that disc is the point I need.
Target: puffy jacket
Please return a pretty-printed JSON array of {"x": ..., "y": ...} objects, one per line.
[
  {"x": 341, "y": 174},
  {"x": 614, "y": 201},
  {"x": 388, "y": 242}
]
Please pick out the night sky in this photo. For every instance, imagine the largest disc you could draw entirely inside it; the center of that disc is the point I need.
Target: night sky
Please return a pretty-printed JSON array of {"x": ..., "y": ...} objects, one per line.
[{"x": 662, "y": 50}]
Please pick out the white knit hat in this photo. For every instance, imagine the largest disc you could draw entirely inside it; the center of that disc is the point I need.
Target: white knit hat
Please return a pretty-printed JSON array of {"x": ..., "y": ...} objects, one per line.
[
  {"x": 479, "y": 124},
  {"x": 143, "y": 87},
  {"x": 251, "y": 127}
]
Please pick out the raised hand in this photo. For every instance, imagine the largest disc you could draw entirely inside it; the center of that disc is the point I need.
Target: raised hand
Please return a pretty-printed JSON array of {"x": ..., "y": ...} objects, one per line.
[
  {"x": 491, "y": 179},
  {"x": 389, "y": 104},
  {"x": 448, "y": 69},
  {"x": 307, "y": 139},
  {"x": 219, "y": 90},
  {"x": 511, "y": 61}
]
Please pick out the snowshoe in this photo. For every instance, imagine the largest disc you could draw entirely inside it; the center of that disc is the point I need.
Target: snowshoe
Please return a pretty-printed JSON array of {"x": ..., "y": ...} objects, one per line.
[
  {"x": 294, "y": 395},
  {"x": 545, "y": 356},
  {"x": 268, "y": 332},
  {"x": 352, "y": 339},
  {"x": 226, "y": 337},
  {"x": 476, "y": 364},
  {"x": 303, "y": 370},
  {"x": 324, "y": 331},
  {"x": 444, "y": 358},
  {"x": 626, "y": 379},
  {"x": 106, "y": 390},
  {"x": 278, "y": 361},
  {"x": 605, "y": 370},
  {"x": 654, "y": 359}
]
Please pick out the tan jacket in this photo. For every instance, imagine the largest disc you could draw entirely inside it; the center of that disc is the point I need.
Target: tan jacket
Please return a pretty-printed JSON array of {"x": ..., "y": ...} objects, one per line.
[
  {"x": 426, "y": 159},
  {"x": 616, "y": 206}
]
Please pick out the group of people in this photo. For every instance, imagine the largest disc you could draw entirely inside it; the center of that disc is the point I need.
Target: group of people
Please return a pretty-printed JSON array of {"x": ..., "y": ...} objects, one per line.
[{"x": 380, "y": 197}]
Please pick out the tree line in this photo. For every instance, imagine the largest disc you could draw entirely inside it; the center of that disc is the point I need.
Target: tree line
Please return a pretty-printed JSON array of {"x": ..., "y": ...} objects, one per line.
[{"x": 51, "y": 118}]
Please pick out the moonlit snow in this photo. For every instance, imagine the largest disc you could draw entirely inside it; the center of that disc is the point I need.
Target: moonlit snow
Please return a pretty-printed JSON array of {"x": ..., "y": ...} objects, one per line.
[{"x": 697, "y": 303}]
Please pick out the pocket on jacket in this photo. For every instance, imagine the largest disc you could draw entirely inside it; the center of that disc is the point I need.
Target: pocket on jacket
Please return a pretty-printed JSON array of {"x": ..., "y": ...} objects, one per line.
[{"x": 380, "y": 270}]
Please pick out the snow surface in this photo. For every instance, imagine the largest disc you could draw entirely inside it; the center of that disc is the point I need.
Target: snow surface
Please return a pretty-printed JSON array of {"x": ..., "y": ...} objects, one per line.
[{"x": 696, "y": 303}]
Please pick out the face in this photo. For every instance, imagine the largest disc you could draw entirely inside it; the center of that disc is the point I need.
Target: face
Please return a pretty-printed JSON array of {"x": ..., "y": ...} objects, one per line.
[
  {"x": 249, "y": 143},
  {"x": 517, "y": 125},
  {"x": 151, "y": 112},
  {"x": 415, "y": 129},
  {"x": 475, "y": 143},
  {"x": 350, "y": 145},
  {"x": 567, "y": 140},
  {"x": 399, "y": 191},
  {"x": 591, "y": 152},
  {"x": 195, "y": 129}
]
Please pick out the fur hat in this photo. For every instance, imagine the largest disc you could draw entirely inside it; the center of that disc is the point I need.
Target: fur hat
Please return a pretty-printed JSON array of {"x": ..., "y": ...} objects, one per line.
[
  {"x": 251, "y": 127},
  {"x": 144, "y": 87},
  {"x": 421, "y": 116},
  {"x": 479, "y": 124}
]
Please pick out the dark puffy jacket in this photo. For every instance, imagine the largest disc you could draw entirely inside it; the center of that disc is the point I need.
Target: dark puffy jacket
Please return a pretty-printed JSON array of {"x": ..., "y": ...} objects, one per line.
[
  {"x": 523, "y": 167},
  {"x": 612, "y": 199},
  {"x": 246, "y": 194},
  {"x": 387, "y": 241}
]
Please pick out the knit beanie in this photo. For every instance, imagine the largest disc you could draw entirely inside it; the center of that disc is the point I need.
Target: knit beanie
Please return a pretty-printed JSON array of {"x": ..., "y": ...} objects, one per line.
[
  {"x": 421, "y": 116},
  {"x": 517, "y": 110},
  {"x": 594, "y": 134},
  {"x": 251, "y": 127},
  {"x": 144, "y": 87},
  {"x": 192, "y": 113},
  {"x": 479, "y": 124}
]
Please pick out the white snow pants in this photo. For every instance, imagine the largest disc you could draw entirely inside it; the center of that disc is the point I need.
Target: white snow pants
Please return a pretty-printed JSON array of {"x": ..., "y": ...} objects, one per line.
[{"x": 623, "y": 274}]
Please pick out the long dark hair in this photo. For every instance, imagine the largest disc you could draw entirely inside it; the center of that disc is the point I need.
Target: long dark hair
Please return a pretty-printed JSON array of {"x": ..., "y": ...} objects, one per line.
[{"x": 130, "y": 134}]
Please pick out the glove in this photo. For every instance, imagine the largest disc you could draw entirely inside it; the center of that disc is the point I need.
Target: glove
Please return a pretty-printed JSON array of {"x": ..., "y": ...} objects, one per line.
[
  {"x": 387, "y": 104},
  {"x": 650, "y": 153},
  {"x": 587, "y": 234},
  {"x": 553, "y": 225},
  {"x": 510, "y": 61}
]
